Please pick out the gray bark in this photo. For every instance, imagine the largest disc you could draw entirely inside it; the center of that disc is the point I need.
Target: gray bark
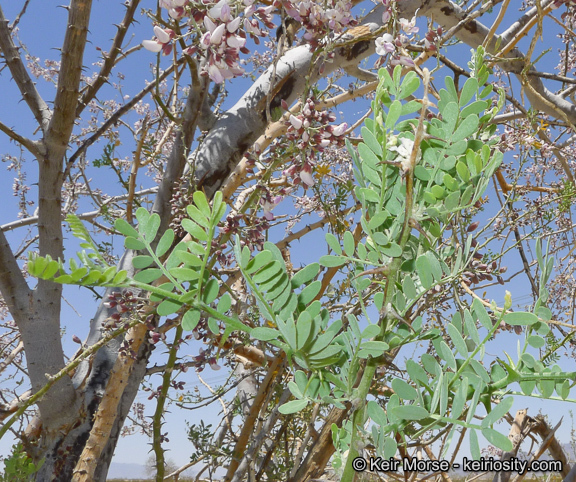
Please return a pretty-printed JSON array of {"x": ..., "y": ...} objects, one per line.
[{"x": 240, "y": 126}]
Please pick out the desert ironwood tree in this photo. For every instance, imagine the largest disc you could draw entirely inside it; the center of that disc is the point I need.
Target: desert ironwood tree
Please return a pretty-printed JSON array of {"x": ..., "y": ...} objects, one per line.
[{"x": 246, "y": 109}]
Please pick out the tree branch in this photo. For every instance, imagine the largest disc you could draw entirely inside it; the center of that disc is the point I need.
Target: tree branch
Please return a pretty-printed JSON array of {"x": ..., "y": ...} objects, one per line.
[
  {"x": 275, "y": 368},
  {"x": 19, "y": 16},
  {"x": 87, "y": 216},
  {"x": 13, "y": 286},
  {"x": 112, "y": 120},
  {"x": 240, "y": 126},
  {"x": 66, "y": 100},
  {"x": 90, "y": 91},
  {"x": 27, "y": 88},
  {"x": 24, "y": 141},
  {"x": 108, "y": 407},
  {"x": 97, "y": 375}
]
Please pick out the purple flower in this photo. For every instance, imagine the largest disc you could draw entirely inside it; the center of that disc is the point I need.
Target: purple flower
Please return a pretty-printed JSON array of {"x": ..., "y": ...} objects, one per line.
[
  {"x": 385, "y": 44},
  {"x": 409, "y": 26}
]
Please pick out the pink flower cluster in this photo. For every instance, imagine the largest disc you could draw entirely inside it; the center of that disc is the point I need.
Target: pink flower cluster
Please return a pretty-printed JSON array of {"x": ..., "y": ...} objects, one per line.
[
  {"x": 253, "y": 232},
  {"x": 312, "y": 133},
  {"x": 222, "y": 37},
  {"x": 387, "y": 44},
  {"x": 175, "y": 7},
  {"x": 319, "y": 18},
  {"x": 221, "y": 44},
  {"x": 432, "y": 38},
  {"x": 161, "y": 42},
  {"x": 388, "y": 12}
]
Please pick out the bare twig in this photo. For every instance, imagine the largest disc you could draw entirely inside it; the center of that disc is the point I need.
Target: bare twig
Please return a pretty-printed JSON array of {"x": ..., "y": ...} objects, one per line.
[
  {"x": 248, "y": 426},
  {"x": 160, "y": 402},
  {"x": 31, "y": 96},
  {"x": 113, "y": 119},
  {"x": 20, "y": 15},
  {"x": 110, "y": 58},
  {"x": 10, "y": 358},
  {"x": 24, "y": 141}
]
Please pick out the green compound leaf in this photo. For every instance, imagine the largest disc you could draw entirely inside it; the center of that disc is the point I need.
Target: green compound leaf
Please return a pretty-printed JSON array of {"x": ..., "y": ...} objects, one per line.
[
  {"x": 197, "y": 216},
  {"x": 371, "y": 141},
  {"x": 469, "y": 88},
  {"x": 168, "y": 307},
  {"x": 474, "y": 445},
  {"x": 457, "y": 340},
  {"x": 409, "y": 85},
  {"x": 141, "y": 262},
  {"x": 133, "y": 243},
  {"x": 424, "y": 269},
  {"x": 498, "y": 412},
  {"x": 305, "y": 275},
  {"x": 210, "y": 291},
  {"x": 410, "y": 412},
  {"x": 165, "y": 242},
  {"x": 309, "y": 293},
  {"x": 520, "y": 318},
  {"x": 468, "y": 127},
  {"x": 377, "y": 413},
  {"x": 148, "y": 275},
  {"x": 202, "y": 203},
  {"x": 185, "y": 274},
  {"x": 265, "y": 334},
  {"x": 536, "y": 341},
  {"x": 404, "y": 390},
  {"x": 333, "y": 243},
  {"x": 330, "y": 261},
  {"x": 393, "y": 114},
  {"x": 194, "y": 229},
  {"x": 125, "y": 228},
  {"x": 293, "y": 406},
  {"x": 260, "y": 260},
  {"x": 497, "y": 439},
  {"x": 349, "y": 244}
]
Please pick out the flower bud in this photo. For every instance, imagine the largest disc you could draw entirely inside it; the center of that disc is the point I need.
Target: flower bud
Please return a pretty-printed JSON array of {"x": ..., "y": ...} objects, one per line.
[{"x": 507, "y": 300}]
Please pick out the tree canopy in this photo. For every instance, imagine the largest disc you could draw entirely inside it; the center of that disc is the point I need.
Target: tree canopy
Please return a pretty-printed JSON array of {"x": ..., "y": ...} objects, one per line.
[{"x": 351, "y": 208}]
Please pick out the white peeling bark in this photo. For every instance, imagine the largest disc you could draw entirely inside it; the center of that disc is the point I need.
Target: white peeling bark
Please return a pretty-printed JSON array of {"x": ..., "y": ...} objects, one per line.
[{"x": 240, "y": 126}]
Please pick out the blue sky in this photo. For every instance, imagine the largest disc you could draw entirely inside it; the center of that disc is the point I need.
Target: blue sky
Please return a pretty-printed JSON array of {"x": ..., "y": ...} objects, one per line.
[{"x": 42, "y": 30}]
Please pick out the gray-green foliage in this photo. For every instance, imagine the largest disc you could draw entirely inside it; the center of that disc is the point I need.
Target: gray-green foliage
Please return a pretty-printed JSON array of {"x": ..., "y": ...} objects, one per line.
[
  {"x": 18, "y": 466},
  {"x": 408, "y": 196}
]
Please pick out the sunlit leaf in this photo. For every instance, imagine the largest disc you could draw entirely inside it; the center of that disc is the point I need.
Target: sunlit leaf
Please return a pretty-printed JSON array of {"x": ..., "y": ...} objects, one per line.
[
  {"x": 264, "y": 334},
  {"x": 293, "y": 407},
  {"x": 410, "y": 412},
  {"x": 165, "y": 242},
  {"x": 143, "y": 261},
  {"x": 133, "y": 243},
  {"x": 148, "y": 275},
  {"x": 497, "y": 439},
  {"x": 498, "y": 411},
  {"x": 210, "y": 291},
  {"x": 404, "y": 390},
  {"x": 520, "y": 318},
  {"x": 330, "y": 261},
  {"x": 168, "y": 307},
  {"x": 125, "y": 228}
]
